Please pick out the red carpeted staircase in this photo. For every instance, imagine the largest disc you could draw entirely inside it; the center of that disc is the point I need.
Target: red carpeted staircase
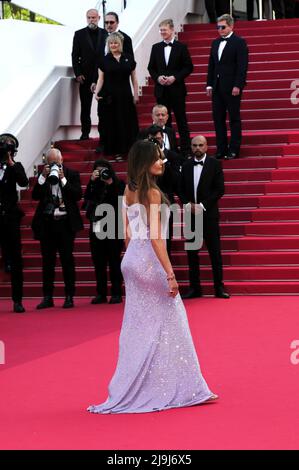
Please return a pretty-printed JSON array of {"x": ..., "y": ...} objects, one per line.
[{"x": 260, "y": 211}]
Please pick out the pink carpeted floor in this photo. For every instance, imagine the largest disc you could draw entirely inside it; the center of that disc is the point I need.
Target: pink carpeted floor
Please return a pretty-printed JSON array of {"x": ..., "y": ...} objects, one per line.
[{"x": 58, "y": 362}]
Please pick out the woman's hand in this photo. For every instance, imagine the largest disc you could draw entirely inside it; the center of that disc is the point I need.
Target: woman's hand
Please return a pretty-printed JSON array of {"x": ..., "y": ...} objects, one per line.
[
  {"x": 173, "y": 287},
  {"x": 136, "y": 99}
]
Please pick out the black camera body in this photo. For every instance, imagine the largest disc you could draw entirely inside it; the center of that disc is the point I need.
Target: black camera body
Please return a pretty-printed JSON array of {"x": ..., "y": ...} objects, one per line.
[
  {"x": 105, "y": 174},
  {"x": 51, "y": 206},
  {"x": 8, "y": 143}
]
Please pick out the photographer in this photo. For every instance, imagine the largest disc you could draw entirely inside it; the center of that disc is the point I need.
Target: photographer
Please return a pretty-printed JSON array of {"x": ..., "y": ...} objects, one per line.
[
  {"x": 55, "y": 223},
  {"x": 11, "y": 174},
  {"x": 104, "y": 188}
]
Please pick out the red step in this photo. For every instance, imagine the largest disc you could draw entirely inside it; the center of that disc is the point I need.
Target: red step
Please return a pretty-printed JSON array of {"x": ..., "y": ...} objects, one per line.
[
  {"x": 246, "y": 273},
  {"x": 277, "y": 25}
]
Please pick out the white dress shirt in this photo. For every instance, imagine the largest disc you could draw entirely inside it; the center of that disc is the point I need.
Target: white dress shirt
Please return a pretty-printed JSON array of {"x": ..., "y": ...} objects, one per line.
[
  {"x": 222, "y": 45},
  {"x": 166, "y": 140},
  {"x": 167, "y": 51},
  {"x": 197, "y": 169}
]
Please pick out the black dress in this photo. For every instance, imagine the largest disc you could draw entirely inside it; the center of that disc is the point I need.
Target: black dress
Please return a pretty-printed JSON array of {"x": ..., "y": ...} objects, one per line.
[{"x": 119, "y": 116}]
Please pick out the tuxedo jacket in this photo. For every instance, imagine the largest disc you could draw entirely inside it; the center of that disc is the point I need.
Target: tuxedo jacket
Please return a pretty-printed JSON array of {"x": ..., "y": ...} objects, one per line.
[
  {"x": 85, "y": 56},
  {"x": 13, "y": 175},
  {"x": 71, "y": 194},
  {"x": 231, "y": 70},
  {"x": 179, "y": 65},
  {"x": 171, "y": 137},
  {"x": 127, "y": 45},
  {"x": 169, "y": 181},
  {"x": 210, "y": 187}
]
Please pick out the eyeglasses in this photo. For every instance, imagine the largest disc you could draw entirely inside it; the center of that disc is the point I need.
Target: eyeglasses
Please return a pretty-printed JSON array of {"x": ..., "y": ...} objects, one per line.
[
  {"x": 220, "y": 26},
  {"x": 110, "y": 22}
]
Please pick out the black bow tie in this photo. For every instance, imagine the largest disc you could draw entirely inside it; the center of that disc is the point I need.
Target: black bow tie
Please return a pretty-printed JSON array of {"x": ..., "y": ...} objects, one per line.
[
  {"x": 165, "y": 44},
  {"x": 224, "y": 39},
  {"x": 196, "y": 162}
]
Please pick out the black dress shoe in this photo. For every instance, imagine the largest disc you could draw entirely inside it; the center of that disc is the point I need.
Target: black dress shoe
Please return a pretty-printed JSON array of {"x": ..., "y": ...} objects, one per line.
[
  {"x": 192, "y": 294},
  {"x": 47, "y": 302},
  {"x": 84, "y": 136},
  {"x": 68, "y": 303},
  {"x": 221, "y": 294},
  {"x": 116, "y": 299},
  {"x": 231, "y": 155},
  {"x": 220, "y": 155},
  {"x": 99, "y": 299},
  {"x": 18, "y": 307}
]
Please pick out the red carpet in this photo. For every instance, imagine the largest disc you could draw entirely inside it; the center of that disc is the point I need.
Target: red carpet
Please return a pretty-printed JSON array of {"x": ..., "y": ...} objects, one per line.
[{"x": 58, "y": 362}]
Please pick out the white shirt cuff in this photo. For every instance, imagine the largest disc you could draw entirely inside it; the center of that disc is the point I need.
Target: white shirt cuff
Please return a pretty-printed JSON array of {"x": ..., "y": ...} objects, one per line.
[
  {"x": 41, "y": 179},
  {"x": 63, "y": 181}
]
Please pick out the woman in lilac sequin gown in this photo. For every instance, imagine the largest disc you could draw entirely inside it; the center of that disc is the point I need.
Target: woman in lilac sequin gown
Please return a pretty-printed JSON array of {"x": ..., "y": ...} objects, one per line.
[{"x": 157, "y": 365}]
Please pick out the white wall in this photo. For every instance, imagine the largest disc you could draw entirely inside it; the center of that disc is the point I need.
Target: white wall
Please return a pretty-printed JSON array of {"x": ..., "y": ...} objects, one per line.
[{"x": 32, "y": 53}]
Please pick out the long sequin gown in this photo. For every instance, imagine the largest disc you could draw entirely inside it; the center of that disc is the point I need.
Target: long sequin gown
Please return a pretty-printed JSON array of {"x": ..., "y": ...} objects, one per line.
[{"x": 157, "y": 366}]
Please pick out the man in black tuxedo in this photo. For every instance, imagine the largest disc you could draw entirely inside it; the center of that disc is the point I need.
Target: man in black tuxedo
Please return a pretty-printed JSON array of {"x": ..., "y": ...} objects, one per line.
[
  {"x": 11, "y": 174},
  {"x": 88, "y": 47},
  {"x": 226, "y": 79},
  {"x": 202, "y": 185},
  {"x": 170, "y": 63},
  {"x": 160, "y": 117},
  {"x": 55, "y": 223},
  {"x": 112, "y": 25}
]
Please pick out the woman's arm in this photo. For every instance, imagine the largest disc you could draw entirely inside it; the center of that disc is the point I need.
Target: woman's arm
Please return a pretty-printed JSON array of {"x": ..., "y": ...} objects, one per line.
[
  {"x": 158, "y": 243},
  {"x": 127, "y": 232},
  {"x": 99, "y": 85},
  {"x": 126, "y": 225},
  {"x": 135, "y": 86}
]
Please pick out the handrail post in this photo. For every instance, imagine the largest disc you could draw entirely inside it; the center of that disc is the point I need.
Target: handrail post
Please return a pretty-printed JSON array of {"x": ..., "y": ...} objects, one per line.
[{"x": 260, "y": 10}]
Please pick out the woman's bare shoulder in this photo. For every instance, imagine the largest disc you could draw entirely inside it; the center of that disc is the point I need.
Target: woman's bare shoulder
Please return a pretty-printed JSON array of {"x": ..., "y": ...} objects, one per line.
[
  {"x": 131, "y": 197},
  {"x": 154, "y": 196}
]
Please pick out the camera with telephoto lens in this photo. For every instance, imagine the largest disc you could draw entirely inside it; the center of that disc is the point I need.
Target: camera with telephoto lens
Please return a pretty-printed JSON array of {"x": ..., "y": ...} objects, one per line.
[
  {"x": 53, "y": 177},
  {"x": 104, "y": 174},
  {"x": 8, "y": 143}
]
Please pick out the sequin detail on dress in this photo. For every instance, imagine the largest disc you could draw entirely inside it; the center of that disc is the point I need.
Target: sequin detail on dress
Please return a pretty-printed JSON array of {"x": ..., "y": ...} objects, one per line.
[{"x": 157, "y": 365}]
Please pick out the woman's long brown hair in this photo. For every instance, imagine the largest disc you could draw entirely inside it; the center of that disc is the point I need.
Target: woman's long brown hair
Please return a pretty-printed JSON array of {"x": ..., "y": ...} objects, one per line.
[{"x": 142, "y": 156}]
